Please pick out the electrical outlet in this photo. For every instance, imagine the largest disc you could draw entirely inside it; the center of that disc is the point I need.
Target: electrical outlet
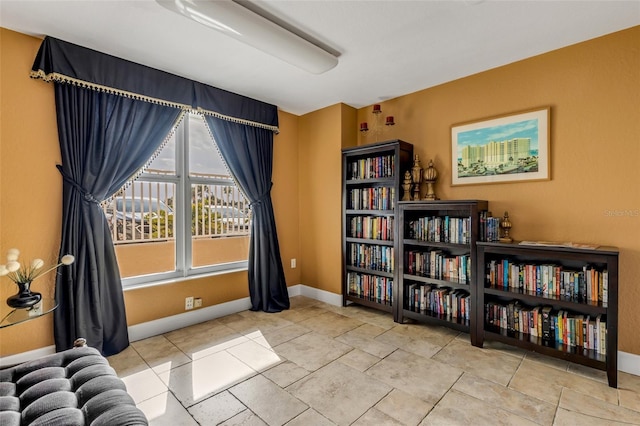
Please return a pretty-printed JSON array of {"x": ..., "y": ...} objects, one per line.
[
  {"x": 197, "y": 302},
  {"x": 188, "y": 303},
  {"x": 293, "y": 263}
]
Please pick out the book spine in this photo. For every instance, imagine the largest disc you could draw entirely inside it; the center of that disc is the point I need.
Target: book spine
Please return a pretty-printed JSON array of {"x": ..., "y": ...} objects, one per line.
[
  {"x": 546, "y": 323},
  {"x": 603, "y": 337}
]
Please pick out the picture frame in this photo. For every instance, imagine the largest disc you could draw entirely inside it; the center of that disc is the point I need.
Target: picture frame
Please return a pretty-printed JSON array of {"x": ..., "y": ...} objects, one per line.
[{"x": 508, "y": 148}]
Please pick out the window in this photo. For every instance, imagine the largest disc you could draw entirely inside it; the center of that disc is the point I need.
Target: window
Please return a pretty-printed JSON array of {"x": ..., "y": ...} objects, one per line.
[{"x": 183, "y": 216}]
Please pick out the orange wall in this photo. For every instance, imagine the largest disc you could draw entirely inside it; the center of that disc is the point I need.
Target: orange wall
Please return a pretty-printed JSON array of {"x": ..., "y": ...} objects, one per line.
[
  {"x": 157, "y": 256},
  {"x": 30, "y": 185},
  {"x": 30, "y": 201},
  {"x": 593, "y": 89},
  {"x": 286, "y": 193},
  {"x": 322, "y": 134}
]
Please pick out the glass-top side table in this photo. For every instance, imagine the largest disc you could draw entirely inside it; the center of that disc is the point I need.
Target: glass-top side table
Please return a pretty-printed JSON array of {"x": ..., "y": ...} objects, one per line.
[{"x": 17, "y": 316}]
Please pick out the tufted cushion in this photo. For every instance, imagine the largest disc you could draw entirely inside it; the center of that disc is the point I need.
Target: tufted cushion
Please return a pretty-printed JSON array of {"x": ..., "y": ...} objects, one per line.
[
  {"x": 9, "y": 418},
  {"x": 74, "y": 387}
]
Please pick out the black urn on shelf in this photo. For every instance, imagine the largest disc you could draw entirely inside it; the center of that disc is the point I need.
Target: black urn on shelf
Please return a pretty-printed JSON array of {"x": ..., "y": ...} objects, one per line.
[{"x": 25, "y": 298}]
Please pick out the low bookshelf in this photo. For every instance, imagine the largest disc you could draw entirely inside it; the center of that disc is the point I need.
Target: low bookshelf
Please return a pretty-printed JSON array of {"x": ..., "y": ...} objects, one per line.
[
  {"x": 437, "y": 246},
  {"x": 556, "y": 300}
]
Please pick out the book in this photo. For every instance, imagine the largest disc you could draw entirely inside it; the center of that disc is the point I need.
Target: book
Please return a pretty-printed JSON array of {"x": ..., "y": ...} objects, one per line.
[
  {"x": 558, "y": 326},
  {"x": 596, "y": 333},
  {"x": 546, "y": 322},
  {"x": 577, "y": 331},
  {"x": 603, "y": 337},
  {"x": 585, "y": 332},
  {"x": 534, "y": 321}
]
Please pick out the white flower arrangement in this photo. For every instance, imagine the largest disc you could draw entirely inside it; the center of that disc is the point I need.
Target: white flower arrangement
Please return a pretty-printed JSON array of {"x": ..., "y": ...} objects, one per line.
[{"x": 19, "y": 273}]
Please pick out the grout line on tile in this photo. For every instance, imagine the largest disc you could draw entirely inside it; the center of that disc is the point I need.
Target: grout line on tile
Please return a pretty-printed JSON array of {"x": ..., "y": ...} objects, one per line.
[
  {"x": 514, "y": 373},
  {"x": 440, "y": 399}
]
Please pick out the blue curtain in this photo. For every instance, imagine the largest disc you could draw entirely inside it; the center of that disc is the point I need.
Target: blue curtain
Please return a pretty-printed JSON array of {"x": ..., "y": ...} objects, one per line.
[
  {"x": 112, "y": 115},
  {"x": 65, "y": 62},
  {"x": 248, "y": 152},
  {"x": 104, "y": 140}
]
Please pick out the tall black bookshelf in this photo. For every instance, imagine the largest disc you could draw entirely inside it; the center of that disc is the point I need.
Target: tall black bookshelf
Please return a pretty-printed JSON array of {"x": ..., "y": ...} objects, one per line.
[
  {"x": 437, "y": 246},
  {"x": 558, "y": 301},
  {"x": 371, "y": 179}
]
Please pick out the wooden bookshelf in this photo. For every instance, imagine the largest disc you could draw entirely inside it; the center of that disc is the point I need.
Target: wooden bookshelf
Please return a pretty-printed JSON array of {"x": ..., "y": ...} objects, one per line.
[
  {"x": 569, "y": 293},
  {"x": 371, "y": 179},
  {"x": 437, "y": 244}
]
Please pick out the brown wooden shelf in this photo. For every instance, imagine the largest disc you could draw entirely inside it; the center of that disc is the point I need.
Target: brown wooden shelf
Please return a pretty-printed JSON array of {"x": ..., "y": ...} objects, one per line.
[
  {"x": 370, "y": 182},
  {"x": 401, "y": 153},
  {"x": 600, "y": 258},
  {"x": 369, "y": 271},
  {"x": 369, "y": 241},
  {"x": 429, "y": 317},
  {"x": 579, "y": 355},
  {"x": 369, "y": 212},
  {"x": 438, "y": 282},
  {"x": 559, "y": 302},
  {"x": 410, "y": 211},
  {"x": 437, "y": 244},
  {"x": 369, "y": 303}
]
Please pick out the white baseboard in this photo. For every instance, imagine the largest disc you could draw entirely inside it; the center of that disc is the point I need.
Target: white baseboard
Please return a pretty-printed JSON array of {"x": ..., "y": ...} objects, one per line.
[
  {"x": 627, "y": 362},
  {"x": 174, "y": 322},
  {"x": 6, "y": 361},
  {"x": 315, "y": 293},
  {"x": 150, "y": 328}
]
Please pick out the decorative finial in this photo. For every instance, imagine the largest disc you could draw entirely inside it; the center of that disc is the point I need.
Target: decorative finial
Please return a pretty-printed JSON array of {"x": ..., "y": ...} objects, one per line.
[
  {"x": 416, "y": 176},
  {"x": 430, "y": 178},
  {"x": 406, "y": 187},
  {"x": 505, "y": 224}
]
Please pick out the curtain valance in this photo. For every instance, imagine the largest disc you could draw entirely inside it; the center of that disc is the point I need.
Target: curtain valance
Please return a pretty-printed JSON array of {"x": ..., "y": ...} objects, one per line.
[{"x": 65, "y": 62}]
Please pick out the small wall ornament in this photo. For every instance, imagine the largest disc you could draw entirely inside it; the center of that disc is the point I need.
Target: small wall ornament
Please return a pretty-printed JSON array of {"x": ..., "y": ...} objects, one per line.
[{"x": 377, "y": 129}]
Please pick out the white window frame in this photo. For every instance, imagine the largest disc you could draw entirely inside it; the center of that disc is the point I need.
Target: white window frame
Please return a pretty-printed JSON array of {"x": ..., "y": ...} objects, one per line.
[{"x": 182, "y": 210}]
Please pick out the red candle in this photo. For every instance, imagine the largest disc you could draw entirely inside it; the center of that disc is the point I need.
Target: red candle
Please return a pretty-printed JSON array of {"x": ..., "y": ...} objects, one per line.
[
  {"x": 364, "y": 127},
  {"x": 390, "y": 121},
  {"x": 376, "y": 109}
]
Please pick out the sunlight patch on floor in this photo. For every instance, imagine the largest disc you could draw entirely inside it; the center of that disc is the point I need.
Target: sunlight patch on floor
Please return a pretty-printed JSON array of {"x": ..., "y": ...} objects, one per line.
[
  {"x": 155, "y": 407},
  {"x": 217, "y": 367},
  {"x": 144, "y": 385}
]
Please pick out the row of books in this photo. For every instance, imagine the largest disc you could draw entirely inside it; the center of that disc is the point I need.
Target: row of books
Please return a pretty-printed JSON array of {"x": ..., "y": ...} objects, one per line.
[
  {"x": 372, "y": 227},
  {"x": 439, "y": 265},
  {"x": 445, "y": 301},
  {"x": 489, "y": 227},
  {"x": 562, "y": 327},
  {"x": 378, "y": 198},
  {"x": 586, "y": 285},
  {"x": 370, "y": 287},
  {"x": 376, "y": 258},
  {"x": 444, "y": 229},
  {"x": 372, "y": 168}
]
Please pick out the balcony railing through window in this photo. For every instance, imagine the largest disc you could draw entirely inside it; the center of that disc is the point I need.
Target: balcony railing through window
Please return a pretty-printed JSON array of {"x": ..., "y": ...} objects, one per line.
[{"x": 144, "y": 212}]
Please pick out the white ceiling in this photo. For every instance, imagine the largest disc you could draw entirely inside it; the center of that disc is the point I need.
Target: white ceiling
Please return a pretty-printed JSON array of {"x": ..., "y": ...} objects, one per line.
[{"x": 387, "y": 48}]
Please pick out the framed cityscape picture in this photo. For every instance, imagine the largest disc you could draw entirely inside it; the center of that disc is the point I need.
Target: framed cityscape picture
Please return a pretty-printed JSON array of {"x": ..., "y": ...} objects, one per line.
[{"x": 507, "y": 148}]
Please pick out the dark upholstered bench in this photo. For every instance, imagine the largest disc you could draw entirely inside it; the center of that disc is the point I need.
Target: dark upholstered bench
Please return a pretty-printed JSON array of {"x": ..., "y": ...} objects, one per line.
[{"x": 74, "y": 387}]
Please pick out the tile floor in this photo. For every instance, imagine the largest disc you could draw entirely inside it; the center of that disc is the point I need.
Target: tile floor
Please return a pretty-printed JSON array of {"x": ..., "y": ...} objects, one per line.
[{"x": 318, "y": 364}]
